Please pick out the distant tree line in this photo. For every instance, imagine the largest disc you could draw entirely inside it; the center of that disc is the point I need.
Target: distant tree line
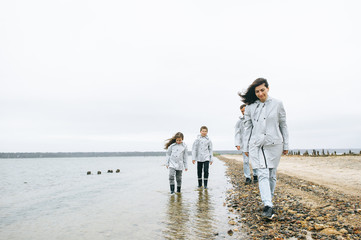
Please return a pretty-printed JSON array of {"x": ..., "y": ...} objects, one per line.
[
  {"x": 78, "y": 154},
  {"x": 323, "y": 153}
]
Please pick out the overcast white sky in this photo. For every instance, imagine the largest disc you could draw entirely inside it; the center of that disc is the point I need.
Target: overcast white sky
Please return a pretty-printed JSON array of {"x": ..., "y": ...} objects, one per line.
[{"x": 126, "y": 75}]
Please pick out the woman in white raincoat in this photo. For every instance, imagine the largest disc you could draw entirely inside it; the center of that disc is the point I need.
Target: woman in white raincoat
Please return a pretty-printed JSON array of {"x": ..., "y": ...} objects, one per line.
[{"x": 265, "y": 138}]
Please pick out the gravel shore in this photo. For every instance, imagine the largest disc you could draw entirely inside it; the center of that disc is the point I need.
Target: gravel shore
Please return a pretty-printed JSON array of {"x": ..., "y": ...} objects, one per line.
[{"x": 304, "y": 209}]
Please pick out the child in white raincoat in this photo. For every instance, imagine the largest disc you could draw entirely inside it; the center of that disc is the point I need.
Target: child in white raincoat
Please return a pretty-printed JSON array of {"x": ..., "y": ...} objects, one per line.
[
  {"x": 202, "y": 153},
  {"x": 176, "y": 160},
  {"x": 238, "y": 139}
]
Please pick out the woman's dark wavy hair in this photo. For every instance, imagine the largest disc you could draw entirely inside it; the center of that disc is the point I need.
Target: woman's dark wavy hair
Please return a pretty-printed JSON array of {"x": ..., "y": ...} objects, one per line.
[
  {"x": 172, "y": 139},
  {"x": 249, "y": 96}
]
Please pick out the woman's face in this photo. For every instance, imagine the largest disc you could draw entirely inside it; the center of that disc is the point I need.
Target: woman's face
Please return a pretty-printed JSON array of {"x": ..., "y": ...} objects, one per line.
[
  {"x": 262, "y": 92},
  {"x": 179, "y": 140}
]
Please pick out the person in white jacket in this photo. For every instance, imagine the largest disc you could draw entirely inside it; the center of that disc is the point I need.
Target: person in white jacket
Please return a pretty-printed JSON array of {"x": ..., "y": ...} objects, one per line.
[
  {"x": 176, "y": 160},
  {"x": 202, "y": 153},
  {"x": 265, "y": 138},
  {"x": 238, "y": 139}
]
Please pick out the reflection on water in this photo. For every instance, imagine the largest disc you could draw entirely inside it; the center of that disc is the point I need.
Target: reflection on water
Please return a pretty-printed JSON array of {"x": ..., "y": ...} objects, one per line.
[
  {"x": 204, "y": 216},
  {"x": 190, "y": 221},
  {"x": 178, "y": 218}
]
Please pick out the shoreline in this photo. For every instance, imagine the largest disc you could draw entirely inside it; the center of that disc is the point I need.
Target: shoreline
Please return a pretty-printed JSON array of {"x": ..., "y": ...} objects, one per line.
[{"x": 306, "y": 207}]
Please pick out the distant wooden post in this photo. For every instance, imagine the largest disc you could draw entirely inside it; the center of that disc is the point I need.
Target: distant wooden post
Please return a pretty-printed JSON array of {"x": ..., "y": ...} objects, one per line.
[{"x": 313, "y": 152}]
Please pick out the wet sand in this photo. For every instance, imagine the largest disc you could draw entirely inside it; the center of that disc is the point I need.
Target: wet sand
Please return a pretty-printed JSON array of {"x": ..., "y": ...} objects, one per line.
[{"x": 315, "y": 198}]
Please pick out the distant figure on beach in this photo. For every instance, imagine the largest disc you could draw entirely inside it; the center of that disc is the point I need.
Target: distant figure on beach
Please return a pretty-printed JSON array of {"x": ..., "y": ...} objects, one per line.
[
  {"x": 176, "y": 160},
  {"x": 265, "y": 138},
  {"x": 238, "y": 139},
  {"x": 202, "y": 153}
]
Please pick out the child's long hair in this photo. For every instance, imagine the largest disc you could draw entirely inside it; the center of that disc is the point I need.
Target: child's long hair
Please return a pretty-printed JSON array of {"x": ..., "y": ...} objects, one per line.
[{"x": 172, "y": 139}]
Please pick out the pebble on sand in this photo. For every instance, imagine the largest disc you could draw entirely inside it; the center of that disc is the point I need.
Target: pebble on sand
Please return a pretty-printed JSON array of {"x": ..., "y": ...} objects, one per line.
[{"x": 330, "y": 231}]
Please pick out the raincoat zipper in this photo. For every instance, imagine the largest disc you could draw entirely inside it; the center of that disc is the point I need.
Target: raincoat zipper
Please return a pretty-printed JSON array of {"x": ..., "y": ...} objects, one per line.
[{"x": 264, "y": 156}]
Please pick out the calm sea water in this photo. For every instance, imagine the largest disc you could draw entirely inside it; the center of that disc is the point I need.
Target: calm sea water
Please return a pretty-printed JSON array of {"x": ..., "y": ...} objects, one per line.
[{"x": 55, "y": 199}]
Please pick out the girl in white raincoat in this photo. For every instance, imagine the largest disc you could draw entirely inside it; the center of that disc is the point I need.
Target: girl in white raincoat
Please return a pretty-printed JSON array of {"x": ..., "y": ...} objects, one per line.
[
  {"x": 176, "y": 160},
  {"x": 265, "y": 138}
]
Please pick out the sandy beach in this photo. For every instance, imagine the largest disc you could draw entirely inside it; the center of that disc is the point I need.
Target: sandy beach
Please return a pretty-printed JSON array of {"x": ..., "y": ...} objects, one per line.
[
  {"x": 342, "y": 173},
  {"x": 315, "y": 198}
]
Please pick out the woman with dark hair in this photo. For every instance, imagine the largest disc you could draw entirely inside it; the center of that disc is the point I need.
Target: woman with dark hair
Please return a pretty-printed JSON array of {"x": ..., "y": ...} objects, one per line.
[{"x": 265, "y": 138}]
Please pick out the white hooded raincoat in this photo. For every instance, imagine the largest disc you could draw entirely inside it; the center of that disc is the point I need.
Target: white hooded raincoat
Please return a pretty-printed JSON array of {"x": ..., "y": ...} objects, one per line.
[
  {"x": 177, "y": 156},
  {"x": 266, "y": 133},
  {"x": 239, "y": 131},
  {"x": 202, "y": 149}
]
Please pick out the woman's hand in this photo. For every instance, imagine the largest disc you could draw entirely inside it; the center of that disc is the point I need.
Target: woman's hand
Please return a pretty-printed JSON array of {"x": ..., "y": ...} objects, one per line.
[
  {"x": 285, "y": 152},
  {"x": 238, "y": 148},
  {"x": 186, "y": 169},
  {"x": 246, "y": 154},
  {"x": 193, "y": 161}
]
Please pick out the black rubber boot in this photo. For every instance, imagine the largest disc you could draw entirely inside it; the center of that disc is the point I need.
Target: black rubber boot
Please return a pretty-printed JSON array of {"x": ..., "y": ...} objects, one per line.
[
  {"x": 200, "y": 183},
  {"x": 178, "y": 189},
  {"x": 171, "y": 189},
  {"x": 255, "y": 179},
  {"x": 205, "y": 184}
]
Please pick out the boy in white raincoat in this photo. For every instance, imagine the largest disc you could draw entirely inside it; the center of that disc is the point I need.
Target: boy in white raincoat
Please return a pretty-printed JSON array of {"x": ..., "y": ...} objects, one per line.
[
  {"x": 238, "y": 140},
  {"x": 202, "y": 153}
]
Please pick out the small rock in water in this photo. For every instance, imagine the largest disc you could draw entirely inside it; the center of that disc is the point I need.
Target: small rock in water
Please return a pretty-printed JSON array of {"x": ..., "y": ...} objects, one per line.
[
  {"x": 88, "y": 173},
  {"x": 230, "y": 232},
  {"x": 118, "y": 170},
  {"x": 232, "y": 222},
  {"x": 110, "y": 171},
  {"x": 99, "y": 172}
]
